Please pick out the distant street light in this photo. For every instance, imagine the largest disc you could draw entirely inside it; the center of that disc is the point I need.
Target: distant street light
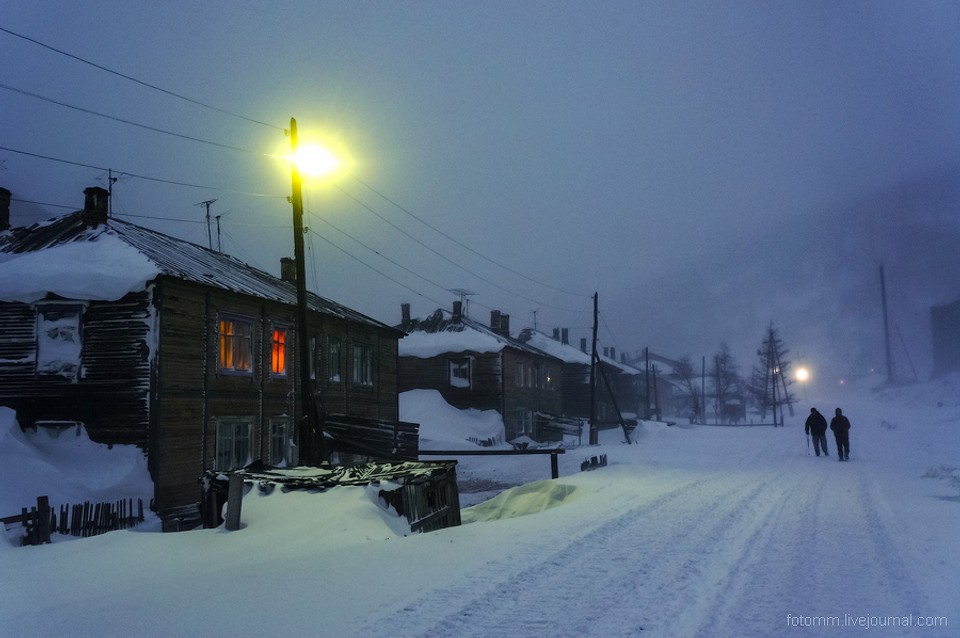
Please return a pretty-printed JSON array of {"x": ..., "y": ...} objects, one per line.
[{"x": 312, "y": 161}]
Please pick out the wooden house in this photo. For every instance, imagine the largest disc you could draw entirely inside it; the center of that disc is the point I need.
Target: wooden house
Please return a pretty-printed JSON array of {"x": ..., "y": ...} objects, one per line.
[
  {"x": 476, "y": 365},
  {"x": 186, "y": 352},
  {"x": 616, "y": 387}
]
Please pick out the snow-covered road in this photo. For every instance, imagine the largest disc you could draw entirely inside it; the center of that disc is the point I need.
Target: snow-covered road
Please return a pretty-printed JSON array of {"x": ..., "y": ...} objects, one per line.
[
  {"x": 753, "y": 539},
  {"x": 693, "y": 531}
]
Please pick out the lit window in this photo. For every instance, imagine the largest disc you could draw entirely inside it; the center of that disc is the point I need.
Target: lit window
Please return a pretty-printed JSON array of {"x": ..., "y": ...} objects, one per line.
[
  {"x": 59, "y": 340},
  {"x": 236, "y": 346},
  {"x": 460, "y": 373},
  {"x": 363, "y": 365},
  {"x": 233, "y": 442},
  {"x": 278, "y": 356}
]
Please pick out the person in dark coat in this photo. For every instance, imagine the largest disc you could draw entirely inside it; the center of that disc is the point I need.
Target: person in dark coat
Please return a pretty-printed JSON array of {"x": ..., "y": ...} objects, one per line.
[
  {"x": 841, "y": 431},
  {"x": 817, "y": 427}
]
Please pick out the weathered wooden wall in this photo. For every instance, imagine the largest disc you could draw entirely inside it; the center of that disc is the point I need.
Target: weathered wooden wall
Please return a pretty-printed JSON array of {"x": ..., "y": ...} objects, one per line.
[{"x": 110, "y": 395}]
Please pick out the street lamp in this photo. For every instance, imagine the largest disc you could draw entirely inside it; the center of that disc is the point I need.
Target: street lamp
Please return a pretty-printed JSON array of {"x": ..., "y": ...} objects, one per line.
[{"x": 313, "y": 161}]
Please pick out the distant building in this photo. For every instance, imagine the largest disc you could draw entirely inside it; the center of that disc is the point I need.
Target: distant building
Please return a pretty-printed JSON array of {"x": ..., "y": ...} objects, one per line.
[
  {"x": 945, "y": 324},
  {"x": 480, "y": 366},
  {"x": 622, "y": 397},
  {"x": 186, "y": 352}
]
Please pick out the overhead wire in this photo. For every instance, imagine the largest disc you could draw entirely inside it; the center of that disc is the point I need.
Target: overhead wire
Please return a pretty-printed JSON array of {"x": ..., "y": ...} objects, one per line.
[
  {"x": 458, "y": 242},
  {"x": 363, "y": 183},
  {"x": 447, "y": 259},
  {"x": 137, "y": 81},
  {"x": 137, "y": 175},
  {"x": 129, "y": 122}
]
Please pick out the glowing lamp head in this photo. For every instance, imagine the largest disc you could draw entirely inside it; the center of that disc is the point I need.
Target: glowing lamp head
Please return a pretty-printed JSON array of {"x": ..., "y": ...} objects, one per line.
[
  {"x": 802, "y": 374},
  {"x": 315, "y": 161}
]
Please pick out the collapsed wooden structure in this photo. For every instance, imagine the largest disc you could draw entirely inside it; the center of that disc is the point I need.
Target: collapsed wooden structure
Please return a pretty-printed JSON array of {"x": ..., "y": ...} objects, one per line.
[{"x": 423, "y": 492}]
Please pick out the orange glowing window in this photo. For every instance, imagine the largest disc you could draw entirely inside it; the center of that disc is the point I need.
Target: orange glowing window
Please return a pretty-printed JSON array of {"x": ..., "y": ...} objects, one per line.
[
  {"x": 236, "y": 346},
  {"x": 278, "y": 359}
]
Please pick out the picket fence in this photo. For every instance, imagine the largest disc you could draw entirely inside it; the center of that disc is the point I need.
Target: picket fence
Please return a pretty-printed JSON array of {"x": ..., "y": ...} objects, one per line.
[{"x": 81, "y": 519}]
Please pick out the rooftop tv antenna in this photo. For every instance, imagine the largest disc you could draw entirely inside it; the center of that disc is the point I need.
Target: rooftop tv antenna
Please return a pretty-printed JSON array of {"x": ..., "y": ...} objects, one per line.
[{"x": 207, "y": 204}]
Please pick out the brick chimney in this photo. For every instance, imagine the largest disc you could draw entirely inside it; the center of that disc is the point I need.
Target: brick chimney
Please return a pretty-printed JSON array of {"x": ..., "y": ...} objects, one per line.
[
  {"x": 505, "y": 325},
  {"x": 404, "y": 313},
  {"x": 583, "y": 344},
  {"x": 5, "y": 196},
  {"x": 495, "y": 321},
  {"x": 288, "y": 269},
  {"x": 457, "y": 310},
  {"x": 556, "y": 334},
  {"x": 564, "y": 336},
  {"x": 95, "y": 205}
]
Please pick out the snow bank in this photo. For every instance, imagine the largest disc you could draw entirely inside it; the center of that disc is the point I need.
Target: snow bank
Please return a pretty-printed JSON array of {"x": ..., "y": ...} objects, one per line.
[
  {"x": 444, "y": 427},
  {"x": 68, "y": 468}
]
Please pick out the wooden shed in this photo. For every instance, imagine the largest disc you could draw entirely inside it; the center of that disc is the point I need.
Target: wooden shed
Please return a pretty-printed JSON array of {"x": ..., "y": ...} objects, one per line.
[{"x": 425, "y": 493}]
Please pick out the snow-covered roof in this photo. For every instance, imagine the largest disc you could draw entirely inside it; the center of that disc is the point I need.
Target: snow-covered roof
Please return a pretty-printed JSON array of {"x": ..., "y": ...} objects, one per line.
[
  {"x": 568, "y": 353},
  {"x": 76, "y": 259},
  {"x": 441, "y": 332}
]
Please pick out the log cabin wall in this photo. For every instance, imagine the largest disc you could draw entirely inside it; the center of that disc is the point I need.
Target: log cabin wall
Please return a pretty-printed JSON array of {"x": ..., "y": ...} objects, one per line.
[
  {"x": 527, "y": 390},
  {"x": 108, "y": 392},
  {"x": 195, "y": 394},
  {"x": 485, "y": 391}
]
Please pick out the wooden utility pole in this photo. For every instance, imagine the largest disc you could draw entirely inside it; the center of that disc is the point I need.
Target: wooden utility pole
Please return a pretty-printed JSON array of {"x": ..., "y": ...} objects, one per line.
[
  {"x": 309, "y": 438},
  {"x": 594, "y": 432},
  {"x": 886, "y": 327}
]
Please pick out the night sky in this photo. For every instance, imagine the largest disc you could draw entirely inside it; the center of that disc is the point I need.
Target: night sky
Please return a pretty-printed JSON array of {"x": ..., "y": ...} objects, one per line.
[{"x": 705, "y": 167}]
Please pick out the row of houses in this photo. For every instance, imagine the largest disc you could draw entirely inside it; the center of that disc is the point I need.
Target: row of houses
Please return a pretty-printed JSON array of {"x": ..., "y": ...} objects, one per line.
[{"x": 192, "y": 355}]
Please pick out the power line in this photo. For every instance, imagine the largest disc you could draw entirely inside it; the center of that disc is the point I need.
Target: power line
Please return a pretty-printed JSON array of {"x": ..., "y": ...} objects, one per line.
[
  {"x": 376, "y": 270},
  {"x": 447, "y": 259},
  {"x": 136, "y": 175},
  {"x": 459, "y": 243},
  {"x": 140, "y": 82},
  {"x": 378, "y": 253},
  {"x": 129, "y": 122}
]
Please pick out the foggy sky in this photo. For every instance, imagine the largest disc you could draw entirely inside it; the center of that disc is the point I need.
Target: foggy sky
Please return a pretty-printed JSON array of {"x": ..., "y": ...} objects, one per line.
[{"x": 706, "y": 168}]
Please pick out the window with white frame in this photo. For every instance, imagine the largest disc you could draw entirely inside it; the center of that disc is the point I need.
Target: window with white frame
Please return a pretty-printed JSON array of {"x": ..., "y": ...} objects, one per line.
[
  {"x": 363, "y": 364},
  {"x": 279, "y": 441},
  {"x": 233, "y": 442},
  {"x": 59, "y": 340},
  {"x": 461, "y": 372},
  {"x": 334, "y": 363},
  {"x": 524, "y": 419}
]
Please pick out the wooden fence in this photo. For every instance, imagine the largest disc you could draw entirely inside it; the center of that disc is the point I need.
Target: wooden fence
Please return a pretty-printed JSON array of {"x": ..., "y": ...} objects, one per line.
[{"x": 86, "y": 519}]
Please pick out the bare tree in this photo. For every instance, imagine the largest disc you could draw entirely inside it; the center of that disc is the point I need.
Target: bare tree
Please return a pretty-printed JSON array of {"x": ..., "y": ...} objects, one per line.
[
  {"x": 771, "y": 377},
  {"x": 728, "y": 386},
  {"x": 687, "y": 380}
]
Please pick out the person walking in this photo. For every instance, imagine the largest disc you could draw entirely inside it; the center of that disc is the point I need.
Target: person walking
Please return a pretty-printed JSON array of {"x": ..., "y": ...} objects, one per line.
[
  {"x": 816, "y": 426},
  {"x": 841, "y": 431}
]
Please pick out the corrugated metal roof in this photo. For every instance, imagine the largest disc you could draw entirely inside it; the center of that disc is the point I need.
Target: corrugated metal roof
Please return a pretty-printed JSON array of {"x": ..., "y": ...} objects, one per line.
[{"x": 175, "y": 258}]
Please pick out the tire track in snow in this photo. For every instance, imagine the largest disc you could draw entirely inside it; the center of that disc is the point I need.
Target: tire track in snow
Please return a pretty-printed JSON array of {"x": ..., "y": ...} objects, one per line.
[
  {"x": 828, "y": 543},
  {"x": 629, "y": 559}
]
